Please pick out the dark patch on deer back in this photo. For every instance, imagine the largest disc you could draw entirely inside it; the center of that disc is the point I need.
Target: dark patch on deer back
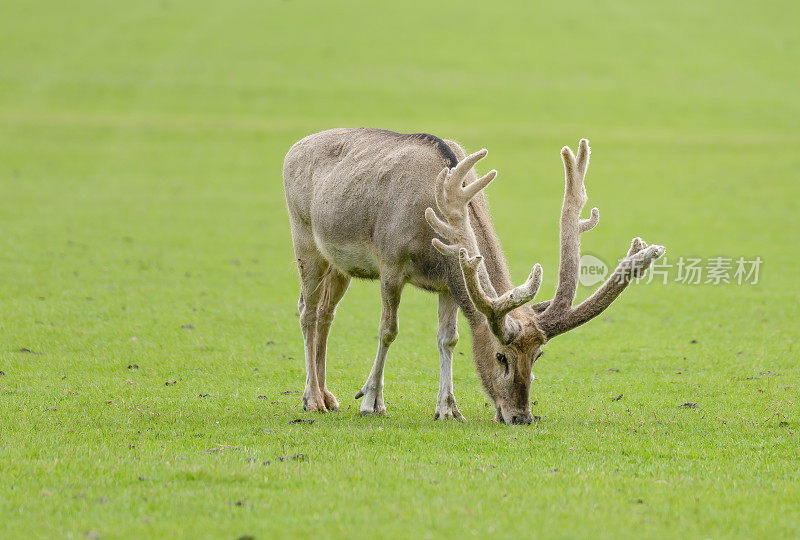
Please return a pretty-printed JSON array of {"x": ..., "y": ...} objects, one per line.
[{"x": 444, "y": 150}]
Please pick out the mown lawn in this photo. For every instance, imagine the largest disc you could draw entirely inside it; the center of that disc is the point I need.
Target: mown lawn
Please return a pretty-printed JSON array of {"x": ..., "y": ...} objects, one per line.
[{"x": 150, "y": 350}]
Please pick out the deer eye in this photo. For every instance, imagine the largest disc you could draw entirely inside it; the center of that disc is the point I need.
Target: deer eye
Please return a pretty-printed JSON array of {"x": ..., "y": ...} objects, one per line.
[{"x": 503, "y": 360}]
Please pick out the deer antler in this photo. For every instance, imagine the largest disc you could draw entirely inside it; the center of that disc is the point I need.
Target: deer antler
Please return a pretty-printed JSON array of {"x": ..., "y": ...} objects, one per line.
[
  {"x": 497, "y": 308},
  {"x": 558, "y": 316},
  {"x": 452, "y": 200}
]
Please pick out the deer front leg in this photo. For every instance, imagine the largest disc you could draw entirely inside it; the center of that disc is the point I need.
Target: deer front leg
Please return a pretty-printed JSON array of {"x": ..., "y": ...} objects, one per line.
[
  {"x": 372, "y": 391},
  {"x": 447, "y": 338}
]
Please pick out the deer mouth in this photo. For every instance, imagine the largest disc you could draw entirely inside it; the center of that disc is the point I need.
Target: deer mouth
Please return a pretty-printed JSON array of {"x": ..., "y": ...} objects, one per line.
[{"x": 520, "y": 418}]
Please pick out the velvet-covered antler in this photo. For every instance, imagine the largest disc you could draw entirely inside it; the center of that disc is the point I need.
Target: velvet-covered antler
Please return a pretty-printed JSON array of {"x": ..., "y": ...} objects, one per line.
[
  {"x": 558, "y": 316},
  {"x": 452, "y": 199},
  {"x": 496, "y": 308}
]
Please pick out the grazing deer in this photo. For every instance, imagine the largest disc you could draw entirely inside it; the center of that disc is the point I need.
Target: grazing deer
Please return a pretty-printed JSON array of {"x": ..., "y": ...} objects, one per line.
[{"x": 356, "y": 201}]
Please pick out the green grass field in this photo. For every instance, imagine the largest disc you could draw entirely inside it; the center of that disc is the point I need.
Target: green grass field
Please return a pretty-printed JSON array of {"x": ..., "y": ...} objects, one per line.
[{"x": 150, "y": 349}]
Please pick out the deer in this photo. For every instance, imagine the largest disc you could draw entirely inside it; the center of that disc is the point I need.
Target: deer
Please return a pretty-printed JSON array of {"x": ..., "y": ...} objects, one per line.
[{"x": 404, "y": 209}]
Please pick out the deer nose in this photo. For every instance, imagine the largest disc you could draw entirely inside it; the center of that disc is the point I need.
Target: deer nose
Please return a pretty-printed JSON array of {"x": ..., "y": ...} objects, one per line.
[{"x": 522, "y": 419}]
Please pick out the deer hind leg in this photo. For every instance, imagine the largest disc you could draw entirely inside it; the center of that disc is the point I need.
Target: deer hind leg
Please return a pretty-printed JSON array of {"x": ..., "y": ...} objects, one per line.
[
  {"x": 311, "y": 267},
  {"x": 372, "y": 391},
  {"x": 334, "y": 285},
  {"x": 447, "y": 338}
]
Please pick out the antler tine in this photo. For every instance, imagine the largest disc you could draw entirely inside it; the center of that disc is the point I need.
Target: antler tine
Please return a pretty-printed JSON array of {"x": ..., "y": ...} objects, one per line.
[
  {"x": 496, "y": 309},
  {"x": 444, "y": 249},
  {"x": 522, "y": 294},
  {"x": 452, "y": 199},
  {"x": 450, "y": 194},
  {"x": 472, "y": 189},
  {"x": 583, "y": 157},
  {"x": 570, "y": 164},
  {"x": 591, "y": 222},
  {"x": 637, "y": 245},
  {"x": 559, "y": 316},
  {"x": 440, "y": 227},
  {"x": 464, "y": 166}
]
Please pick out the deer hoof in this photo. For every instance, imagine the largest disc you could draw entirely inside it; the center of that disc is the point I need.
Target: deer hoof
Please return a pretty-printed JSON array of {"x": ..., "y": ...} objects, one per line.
[
  {"x": 331, "y": 403},
  {"x": 373, "y": 401},
  {"x": 374, "y": 412},
  {"x": 313, "y": 401},
  {"x": 446, "y": 409}
]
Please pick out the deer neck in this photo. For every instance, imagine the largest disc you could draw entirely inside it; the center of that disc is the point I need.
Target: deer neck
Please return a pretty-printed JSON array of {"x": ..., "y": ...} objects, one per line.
[
  {"x": 489, "y": 248},
  {"x": 489, "y": 245}
]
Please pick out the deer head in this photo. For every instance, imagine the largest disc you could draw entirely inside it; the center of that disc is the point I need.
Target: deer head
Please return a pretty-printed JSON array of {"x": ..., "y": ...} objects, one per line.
[{"x": 507, "y": 333}]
